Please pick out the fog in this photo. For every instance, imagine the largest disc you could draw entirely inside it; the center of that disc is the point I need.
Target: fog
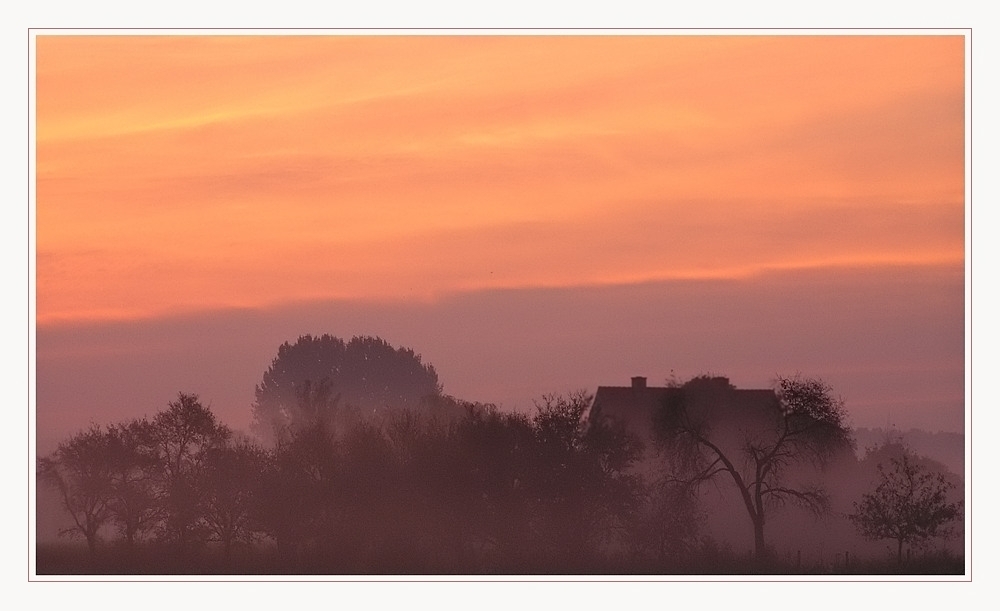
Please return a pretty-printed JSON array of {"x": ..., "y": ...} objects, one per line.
[
  {"x": 890, "y": 341},
  {"x": 361, "y": 465}
]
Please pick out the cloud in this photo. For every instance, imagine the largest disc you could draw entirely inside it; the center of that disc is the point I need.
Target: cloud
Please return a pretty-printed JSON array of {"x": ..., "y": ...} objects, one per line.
[{"x": 243, "y": 171}]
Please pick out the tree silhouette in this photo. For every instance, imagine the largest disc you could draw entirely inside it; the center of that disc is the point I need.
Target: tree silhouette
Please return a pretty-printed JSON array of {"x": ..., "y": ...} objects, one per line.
[
  {"x": 371, "y": 524},
  {"x": 184, "y": 434},
  {"x": 583, "y": 477},
  {"x": 298, "y": 504},
  {"x": 704, "y": 432},
  {"x": 667, "y": 524},
  {"x": 494, "y": 492},
  {"x": 532, "y": 493},
  {"x": 81, "y": 471},
  {"x": 136, "y": 504},
  {"x": 231, "y": 484},
  {"x": 434, "y": 483},
  {"x": 909, "y": 505},
  {"x": 492, "y": 478},
  {"x": 325, "y": 378}
]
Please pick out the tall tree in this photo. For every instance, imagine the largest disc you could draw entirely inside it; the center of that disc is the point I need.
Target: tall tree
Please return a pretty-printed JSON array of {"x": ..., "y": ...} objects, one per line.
[
  {"x": 184, "y": 434},
  {"x": 81, "y": 471},
  {"x": 317, "y": 377},
  {"x": 135, "y": 470},
  {"x": 704, "y": 433},
  {"x": 910, "y": 505}
]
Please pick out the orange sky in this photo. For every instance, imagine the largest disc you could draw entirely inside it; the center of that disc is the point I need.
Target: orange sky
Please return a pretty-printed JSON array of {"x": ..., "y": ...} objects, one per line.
[{"x": 188, "y": 173}]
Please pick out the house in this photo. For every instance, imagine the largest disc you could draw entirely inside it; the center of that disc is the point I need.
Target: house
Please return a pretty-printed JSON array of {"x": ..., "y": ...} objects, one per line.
[
  {"x": 730, "y": 411},
  {"x": 743, "y": 425}
]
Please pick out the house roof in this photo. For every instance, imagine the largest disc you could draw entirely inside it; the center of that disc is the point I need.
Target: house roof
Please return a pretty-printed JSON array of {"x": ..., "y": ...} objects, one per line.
[{"x": 636, "y": 406}]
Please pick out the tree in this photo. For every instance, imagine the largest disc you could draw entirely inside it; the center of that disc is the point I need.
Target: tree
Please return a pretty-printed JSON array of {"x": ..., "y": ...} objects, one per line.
[
  {"x": 488, "y": 483},
  {"x": 434, "y": 484},
  {"x": 184, "y": 434},
  {"x": 667, "y": 525},
  {"x": 80, "y": 470},
  {"x": 135, "y": 505},
  {"x": 317, "y": 377},
  {"x": 705, "y": 432},
  {"x": 910, "y": 504},
  {"x": 230, "y": 482},
  {"x": 297, "y": 505},
  {"x": 371, "y": 518},
  {"x": 582, "y": 473}
]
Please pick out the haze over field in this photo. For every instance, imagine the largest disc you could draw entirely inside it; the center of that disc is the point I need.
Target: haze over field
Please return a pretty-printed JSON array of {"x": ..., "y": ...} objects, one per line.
[{"x": 529, "y": 213}]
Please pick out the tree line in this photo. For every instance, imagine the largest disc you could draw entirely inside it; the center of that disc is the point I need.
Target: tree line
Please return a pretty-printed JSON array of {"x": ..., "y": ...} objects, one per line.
[
  {"x": 362, "y": 465},
  {"x": 489, "y": 491}
]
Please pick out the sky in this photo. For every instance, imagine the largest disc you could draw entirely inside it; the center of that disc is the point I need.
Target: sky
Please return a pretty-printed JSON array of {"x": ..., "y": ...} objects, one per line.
[{"x": 530, "y": 213}]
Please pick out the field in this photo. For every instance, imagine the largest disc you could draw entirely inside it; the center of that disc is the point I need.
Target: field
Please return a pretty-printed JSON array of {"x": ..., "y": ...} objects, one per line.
[{"x": 266, "y": 563}]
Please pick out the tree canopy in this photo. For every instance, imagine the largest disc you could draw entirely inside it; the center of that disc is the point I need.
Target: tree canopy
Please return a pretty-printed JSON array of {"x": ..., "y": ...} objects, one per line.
[
  {"x": 911, "y": 505},
  {"x": 327, "y": 378}
]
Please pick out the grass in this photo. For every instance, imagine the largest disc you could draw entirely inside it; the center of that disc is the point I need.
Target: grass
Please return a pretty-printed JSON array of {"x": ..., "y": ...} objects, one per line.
[{"x": 264, "y": 561}]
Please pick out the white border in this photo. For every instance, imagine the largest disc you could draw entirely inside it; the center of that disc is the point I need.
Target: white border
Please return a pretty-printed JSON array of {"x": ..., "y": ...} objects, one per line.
[{"x": 745, "y": 15}]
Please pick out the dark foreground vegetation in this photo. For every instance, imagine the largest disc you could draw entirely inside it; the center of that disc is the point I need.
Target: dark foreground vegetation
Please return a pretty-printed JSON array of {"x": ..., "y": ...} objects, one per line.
[{"x": 362, "y": 465}]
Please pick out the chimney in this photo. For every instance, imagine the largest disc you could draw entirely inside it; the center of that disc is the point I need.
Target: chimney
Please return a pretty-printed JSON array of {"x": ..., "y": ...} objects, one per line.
[{"x": 638, "y": 383}]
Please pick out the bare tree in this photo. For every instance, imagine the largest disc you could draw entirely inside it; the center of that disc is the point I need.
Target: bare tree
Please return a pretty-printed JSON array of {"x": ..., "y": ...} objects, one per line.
[
  {"x": 80, "y": 470},
  {"x": 703, "y": 434}
]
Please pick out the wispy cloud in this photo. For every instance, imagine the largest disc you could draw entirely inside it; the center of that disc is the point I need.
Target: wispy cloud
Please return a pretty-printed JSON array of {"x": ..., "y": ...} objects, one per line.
[{"x": 213, "y": 171}]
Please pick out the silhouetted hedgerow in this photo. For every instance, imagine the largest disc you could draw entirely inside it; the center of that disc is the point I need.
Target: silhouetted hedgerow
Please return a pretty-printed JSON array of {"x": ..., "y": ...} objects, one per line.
[{"x": 405, "y": 491}]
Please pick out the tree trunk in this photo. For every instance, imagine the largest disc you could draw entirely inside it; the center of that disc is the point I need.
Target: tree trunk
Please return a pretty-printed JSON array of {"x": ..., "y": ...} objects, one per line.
[
  {"x": 758, "y": 539},
  {"x": 899, "y": 552}
]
